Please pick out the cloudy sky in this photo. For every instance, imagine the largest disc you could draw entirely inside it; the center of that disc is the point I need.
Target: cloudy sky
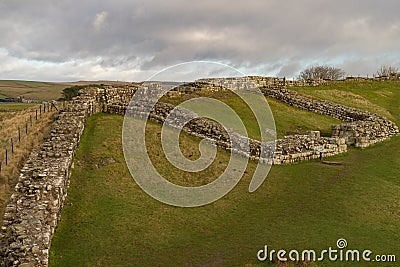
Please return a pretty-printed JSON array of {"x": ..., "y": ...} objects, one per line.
[{"x": 58, "y": 40}]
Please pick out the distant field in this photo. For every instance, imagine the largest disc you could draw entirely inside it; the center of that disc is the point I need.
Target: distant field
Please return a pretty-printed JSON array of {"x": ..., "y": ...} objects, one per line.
[
  {"x": 42, "y": 90},
  {"x": 6, "y": 107},
  {"x": 8, "y": 110},
  {"x": 39, "y": 90},
  {"x": 109, "y": 221}
]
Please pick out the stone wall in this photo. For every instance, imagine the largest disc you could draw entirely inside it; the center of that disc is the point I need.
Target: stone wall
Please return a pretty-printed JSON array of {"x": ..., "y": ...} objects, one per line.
[
  {"x": 363, "y": 128},
  {"x": 296, "y": 148},
  {"x": 288, "y": 150},
  {"x": 278, "y": 83},
  {"x": 35, "y": 206}
]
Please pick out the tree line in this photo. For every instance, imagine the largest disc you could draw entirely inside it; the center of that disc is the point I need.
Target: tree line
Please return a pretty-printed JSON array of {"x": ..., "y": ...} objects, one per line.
[
  {"x": 332, "y": 73},
  {"x": 71, "y": 92}
]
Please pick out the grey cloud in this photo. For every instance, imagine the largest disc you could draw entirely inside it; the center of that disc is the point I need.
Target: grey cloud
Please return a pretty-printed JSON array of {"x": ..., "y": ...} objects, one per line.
[{"x": 263, "y": 37}]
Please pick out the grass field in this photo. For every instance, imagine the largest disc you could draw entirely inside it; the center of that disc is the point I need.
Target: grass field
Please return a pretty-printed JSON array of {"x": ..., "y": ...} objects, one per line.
[
  {"x": 41, "y": 90},
  {"x": 5, "y": 107},
  {"x": 109, "y": 221},
  {"x": 38, "y": 90},
  {"x": 8, "y": 110}
]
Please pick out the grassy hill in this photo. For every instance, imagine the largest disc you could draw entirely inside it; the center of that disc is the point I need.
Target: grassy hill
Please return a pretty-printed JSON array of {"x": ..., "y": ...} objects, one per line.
[
  {"x": 110, "y": 221},
  {"x": 41, "y": 90},
  {"x": 38, "y": 90}
]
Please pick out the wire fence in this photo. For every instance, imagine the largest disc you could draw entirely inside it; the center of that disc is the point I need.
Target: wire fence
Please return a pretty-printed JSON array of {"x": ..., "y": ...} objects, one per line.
[{"x": 22, "y": 131}]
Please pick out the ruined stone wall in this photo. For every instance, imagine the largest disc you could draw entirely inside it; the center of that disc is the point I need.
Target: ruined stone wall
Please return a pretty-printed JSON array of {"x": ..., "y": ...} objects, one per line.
[
  {"x": 363, "y": 128},
  {"x": 288, "y": 150},
  {"x": 278, "y": 83},
  {"x": 294, "y": 148},
  {"x": 35, "y": 206}
]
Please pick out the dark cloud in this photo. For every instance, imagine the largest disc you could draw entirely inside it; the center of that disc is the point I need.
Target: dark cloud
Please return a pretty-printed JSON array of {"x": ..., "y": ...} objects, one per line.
[{"x": 128, "y": 39}]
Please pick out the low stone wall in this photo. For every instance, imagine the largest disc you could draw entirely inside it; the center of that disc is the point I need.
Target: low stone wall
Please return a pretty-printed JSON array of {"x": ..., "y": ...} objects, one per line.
[
  {"x": 295, "y": 148},
  {"x": 363, "y": 128},
  {"x": 199, "y": 127},
  {"x": 288, "y": 150},
  {"x": 366, "y": 132},
  {"x": 341, "y": 112},
  {"x": 278, "y": 83},
  {"x": 35, "y": 206}
]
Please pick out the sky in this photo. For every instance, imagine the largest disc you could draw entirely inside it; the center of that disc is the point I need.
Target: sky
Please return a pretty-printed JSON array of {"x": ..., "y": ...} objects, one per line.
[{"x": 131, "y": 40}]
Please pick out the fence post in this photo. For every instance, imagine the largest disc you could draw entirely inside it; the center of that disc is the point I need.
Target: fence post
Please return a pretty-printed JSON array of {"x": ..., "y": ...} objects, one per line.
[
  {"x": 6, "y": 157},
  {"x": 12, "y": 146},
  {"x": 36, "y": 114},
  {"x": 5, "y": 186},
  {"x": 40, "y": 110},
  {"x": 26, "y": 128},
  {"x": 19, "y": 135}
]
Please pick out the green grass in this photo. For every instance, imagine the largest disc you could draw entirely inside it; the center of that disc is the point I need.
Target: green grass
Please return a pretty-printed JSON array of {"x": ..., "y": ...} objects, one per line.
[
  {"x": 110, "y": 221},
  {"x": 291, "y": 120},
  {"x": 38, "y": 90},
  {"x": 379, "y": 97},
  {"x": 288, "y": 120},
  {"x": 6, "y": 107},
  {"x": 8, "y": 110}
]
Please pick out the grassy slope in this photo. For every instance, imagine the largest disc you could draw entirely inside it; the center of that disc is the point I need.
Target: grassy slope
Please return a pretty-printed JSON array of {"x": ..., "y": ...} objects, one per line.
[
  {"x": 288, "y": 120},
  {"x": 379, "y": 97},
  {"x": 110, "y": 221},
  {"x": 39, "y": 90}
]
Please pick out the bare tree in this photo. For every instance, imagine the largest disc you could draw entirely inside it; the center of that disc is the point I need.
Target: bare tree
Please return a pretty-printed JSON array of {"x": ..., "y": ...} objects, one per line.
[
  {"x": 387, "y": 71},
  {"x": 322, "y": 72}
]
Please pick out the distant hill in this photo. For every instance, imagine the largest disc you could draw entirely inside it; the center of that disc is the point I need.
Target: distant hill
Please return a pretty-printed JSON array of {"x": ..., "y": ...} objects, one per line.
[{"x": 42, "y": 90}]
